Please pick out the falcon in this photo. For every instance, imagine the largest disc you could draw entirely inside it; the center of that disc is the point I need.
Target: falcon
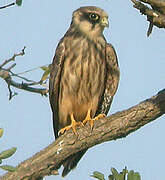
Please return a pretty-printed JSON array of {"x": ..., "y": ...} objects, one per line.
[{"x": 84, "y": 76}]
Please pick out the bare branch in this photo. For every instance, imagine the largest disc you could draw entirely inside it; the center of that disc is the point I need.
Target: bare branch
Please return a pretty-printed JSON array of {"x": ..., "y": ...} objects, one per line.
[
  {"x": 155, "y": 15},
  {"x": 24, "y": 86},
  {"x": 157, "y": 3},
  {"x": 21, "y": 77},
  {"x": 8, "y": 5},
  {"x": 13, "y": 57},
  {"x": 7, "y": 75},
  {"x": 116, "y": 126},
  {"x": 30, "y": 70}
]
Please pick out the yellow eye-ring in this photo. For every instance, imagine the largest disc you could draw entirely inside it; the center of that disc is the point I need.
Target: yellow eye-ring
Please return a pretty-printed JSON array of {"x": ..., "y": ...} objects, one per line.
[{"x": 94, "y": 16}]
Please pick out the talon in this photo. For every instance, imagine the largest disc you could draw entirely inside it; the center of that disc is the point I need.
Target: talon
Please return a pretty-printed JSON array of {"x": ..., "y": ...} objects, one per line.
[
  {"x": 100, "y": 116},
  {"x": 72, "y": 125},
  {"x": 91, "y": 120},
  {"x": 61, "y": 131},
  {"x": 88, "y": 117}
]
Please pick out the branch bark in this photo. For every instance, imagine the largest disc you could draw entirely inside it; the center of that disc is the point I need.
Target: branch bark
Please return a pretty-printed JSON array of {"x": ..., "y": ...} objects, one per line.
[
  {"x": 4, "y": 74},
  {"x": 155, "y": 15},
  {"x": 8, "y": 5},
  {"x": 116, "y": 126},
  {"x": 7, "y": 74}
]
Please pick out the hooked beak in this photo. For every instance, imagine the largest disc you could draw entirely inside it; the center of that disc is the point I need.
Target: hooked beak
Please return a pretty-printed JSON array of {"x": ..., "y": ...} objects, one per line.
[{"x": 105, "y": 22}]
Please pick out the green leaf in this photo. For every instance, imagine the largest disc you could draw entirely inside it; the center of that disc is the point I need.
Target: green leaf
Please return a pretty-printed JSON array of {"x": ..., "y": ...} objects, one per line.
[
  {"x": 110, "y": 177},
  {"x": 44, "y": 68},
  {"x": 0, "y": 161},
  {"x": 1, "y": 132},
  {"x": 137, "y": 176},
  {"x": 114, "y": 171},
  {"x": 133, "y": 176},
  {"x": 46, "y": 73},
  {"x": 98, "y": 175},
  {"x": 123, "y": 173},
  {"x": 19, "y": 2},
  {"x": 118, "y": 176},
  {"x": 130, "y": 175},
  {"x": 7, "y": 153},
  {"x": 8, "y": 168}
]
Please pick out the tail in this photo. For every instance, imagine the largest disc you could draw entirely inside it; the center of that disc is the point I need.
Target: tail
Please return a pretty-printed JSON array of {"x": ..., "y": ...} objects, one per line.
[{"x": 71, "y": 162}]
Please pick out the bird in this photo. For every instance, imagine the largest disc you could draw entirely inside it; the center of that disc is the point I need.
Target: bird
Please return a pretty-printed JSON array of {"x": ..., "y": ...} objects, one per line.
[{"x": 84, "y": 76}]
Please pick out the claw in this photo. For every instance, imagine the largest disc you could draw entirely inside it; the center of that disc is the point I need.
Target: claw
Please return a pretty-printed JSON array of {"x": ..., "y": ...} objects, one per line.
[
  {"x": 71, "y": 126},
  {"x": 91, "y": 120},
  {"x": 99, "y": 116},
  {"x": 88, "y": 117}
]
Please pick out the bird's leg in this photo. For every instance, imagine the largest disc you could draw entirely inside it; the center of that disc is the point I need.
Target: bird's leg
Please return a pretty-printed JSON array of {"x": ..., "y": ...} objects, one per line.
[
  {"x": 72, "y": 125},
  {"x": 99, "y": 116},
  {"x": 91, "y": 120},
  {"x": 88, "y": 117}
]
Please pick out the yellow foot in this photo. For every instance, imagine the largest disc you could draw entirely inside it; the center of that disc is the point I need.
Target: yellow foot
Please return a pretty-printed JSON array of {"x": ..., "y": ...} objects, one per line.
[
  {"x": 72, "y": 125},
  {"x": 91, "y": 120},
  {"x": 100, "y": 116}
]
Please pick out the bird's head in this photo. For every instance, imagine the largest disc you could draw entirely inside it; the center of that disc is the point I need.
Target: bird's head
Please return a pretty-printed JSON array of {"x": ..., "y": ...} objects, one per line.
[{"x": 90, "y": 20}]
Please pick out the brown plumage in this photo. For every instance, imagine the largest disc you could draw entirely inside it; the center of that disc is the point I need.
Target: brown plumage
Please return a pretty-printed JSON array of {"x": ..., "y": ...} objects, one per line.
[{"x": 84, "y": 75}]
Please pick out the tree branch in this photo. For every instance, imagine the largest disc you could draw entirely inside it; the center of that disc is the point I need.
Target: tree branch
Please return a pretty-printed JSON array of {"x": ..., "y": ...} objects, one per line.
[
  {"x": 22, "y": 53},
  {"x": 7, "y": 74},
  {"x": 8, "y": 5},
  {"x": 116, "y": 126},
  {"x": 155, "y": 15},
  {"x": 158, "y": 3},
  {"x": 24, "y": 86}
]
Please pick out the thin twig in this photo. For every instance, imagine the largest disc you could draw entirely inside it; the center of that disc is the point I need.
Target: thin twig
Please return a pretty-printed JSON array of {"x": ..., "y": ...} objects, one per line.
[
  {"x": 13, "y": 57},
  {"x": 33, "y": 83},
  {"x": 8, "y": 5},
  {"x": 24, "y": 86},
  {"x": 7, "y": 75},
  {"x": 39, "y": 67},
  {"x": 4, "y": 74},
  {"x": 11, "y": 67},
  {"x": 21, "y": 77}
]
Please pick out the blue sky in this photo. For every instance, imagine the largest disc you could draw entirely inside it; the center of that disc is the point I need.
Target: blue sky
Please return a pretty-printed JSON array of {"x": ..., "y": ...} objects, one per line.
[{"x": 26, "y": 119}]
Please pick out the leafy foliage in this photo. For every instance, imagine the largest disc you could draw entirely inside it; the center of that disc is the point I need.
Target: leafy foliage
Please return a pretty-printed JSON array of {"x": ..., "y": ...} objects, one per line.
[
  {"x": 19, "y": 2},
  {"x": 98, "y": 175},
  {"x": 6, "y": 154},
  {"x": 8, "y": 168},
  {"x": 133, "y": 175},
  {"x": 123, "y": 175},
  {"x": 1, "y": 132},
  {"x": 46, "y": 73}
]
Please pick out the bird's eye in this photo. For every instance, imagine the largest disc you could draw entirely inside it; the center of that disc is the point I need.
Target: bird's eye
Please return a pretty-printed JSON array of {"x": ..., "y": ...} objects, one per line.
[{"x": 94, "y": 16}]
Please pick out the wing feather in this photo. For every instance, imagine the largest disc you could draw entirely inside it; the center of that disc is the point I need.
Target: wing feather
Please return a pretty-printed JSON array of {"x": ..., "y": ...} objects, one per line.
[
  {"x": 54, "y": 83},
  {"x": 112, "y": 80}
]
